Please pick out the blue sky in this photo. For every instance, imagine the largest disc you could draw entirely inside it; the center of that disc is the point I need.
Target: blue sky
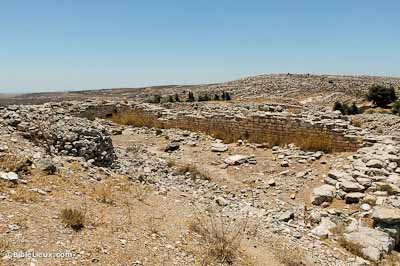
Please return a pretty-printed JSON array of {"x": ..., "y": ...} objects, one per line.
[{"x": 91, "y": 44}]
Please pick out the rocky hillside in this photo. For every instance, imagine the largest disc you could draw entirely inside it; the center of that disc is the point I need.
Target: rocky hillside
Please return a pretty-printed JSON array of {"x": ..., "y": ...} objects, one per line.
[{"x": 295, "y": 87}]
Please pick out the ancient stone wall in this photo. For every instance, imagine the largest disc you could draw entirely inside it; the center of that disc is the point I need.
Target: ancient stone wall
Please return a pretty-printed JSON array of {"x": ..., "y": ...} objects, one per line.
[{"x": 260, "y": 127}]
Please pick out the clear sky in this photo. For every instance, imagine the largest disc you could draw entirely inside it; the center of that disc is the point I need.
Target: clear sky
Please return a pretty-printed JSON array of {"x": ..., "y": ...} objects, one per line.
[{"x": 91, "y": 44}]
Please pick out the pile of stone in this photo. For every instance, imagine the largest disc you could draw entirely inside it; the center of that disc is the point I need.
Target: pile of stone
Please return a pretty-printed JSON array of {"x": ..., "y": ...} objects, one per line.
[
  {"x": 373, "y": 175},
  {"x": 373, "y": 181},
  {"x": 61, "y": 134}
]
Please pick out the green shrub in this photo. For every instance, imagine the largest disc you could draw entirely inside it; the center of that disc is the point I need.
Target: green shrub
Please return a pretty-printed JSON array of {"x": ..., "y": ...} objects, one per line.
[
  {"x": 381, "y": 95},
  {"x": 345, "y": 109},
  {"x": 338, "y": 106},
  {"x": 396, "y": 108}
]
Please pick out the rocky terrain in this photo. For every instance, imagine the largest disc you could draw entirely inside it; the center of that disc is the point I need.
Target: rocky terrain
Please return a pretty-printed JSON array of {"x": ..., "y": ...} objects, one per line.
[{"x": 101, "y": 178}]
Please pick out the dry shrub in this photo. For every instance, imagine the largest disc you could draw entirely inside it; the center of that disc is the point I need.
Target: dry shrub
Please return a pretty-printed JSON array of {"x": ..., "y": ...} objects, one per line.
[
  {"x": 288, "y": 255},
  {"x": 195, "y": 172},
  {"x": 154, "y": 224},
  {"x": 221, "y": 236},
  {"x": 135, "y": 119},
  {"x": 12, "y": 162},
  {"x": 4, "y": 245},
  {"x": 338, "y": 230},
  {"x": 141, "y": 192},
  {"x": 103, "y": 194},
  {"x": 73, "y": 218},
  {"x": 356, "y": 122},
  {"x": 24, "y": 195}
]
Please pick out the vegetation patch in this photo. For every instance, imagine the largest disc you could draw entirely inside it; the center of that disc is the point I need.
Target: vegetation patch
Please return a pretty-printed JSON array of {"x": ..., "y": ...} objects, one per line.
[
  {"x": 381, "y": 96},
  {"x": 220, "y": 235},
  {"x": 288, "y": 255},
  {"x": 136, "y": 119},
  {"x": 73, "y": 218}
]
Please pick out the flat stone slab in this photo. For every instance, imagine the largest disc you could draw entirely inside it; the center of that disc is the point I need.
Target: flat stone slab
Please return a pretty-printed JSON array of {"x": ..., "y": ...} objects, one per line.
[
  {"x": 219, "y": 147},
  {"x": 236, "y": 159},
  {"x": 386, "y": 215}
]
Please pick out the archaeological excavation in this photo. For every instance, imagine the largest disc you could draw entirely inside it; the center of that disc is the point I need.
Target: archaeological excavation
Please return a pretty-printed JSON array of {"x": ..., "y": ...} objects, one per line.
[{"x": 258, "y": 171}]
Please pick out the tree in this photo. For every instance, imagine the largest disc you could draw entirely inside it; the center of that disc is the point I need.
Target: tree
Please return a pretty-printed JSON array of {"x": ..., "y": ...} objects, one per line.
[
  {"x": 177, "y": 98},
  {"x": 216, "y": 97},
  {"x": 156, "y": 98},
  {"x": 190, "y": 97},
  {"x": 338, "y": 106},
  {"x": 170, "y": 99},
  {"x": 223, "y": 96},
  {"x": 227, "y": 96},
  {"x": 353, "y": 110},
  {"x": 396, "y": 108},
  {"x": 381, "y": 96}
]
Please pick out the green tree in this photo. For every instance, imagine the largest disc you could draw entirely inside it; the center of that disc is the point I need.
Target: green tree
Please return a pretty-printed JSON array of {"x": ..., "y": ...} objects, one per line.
[
  {"x": 177, "y": 98},
  {"x": 190, "y": 97},
  {"x": 338, "y": 106},
  {"x": 381, "y": 96},
  {"x": 396, "y": 108},
  {"x": 353, "y": 110}
]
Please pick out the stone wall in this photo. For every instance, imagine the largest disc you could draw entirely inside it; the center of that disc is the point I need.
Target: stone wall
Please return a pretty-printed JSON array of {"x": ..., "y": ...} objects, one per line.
[{"x": 259, "y": 127}]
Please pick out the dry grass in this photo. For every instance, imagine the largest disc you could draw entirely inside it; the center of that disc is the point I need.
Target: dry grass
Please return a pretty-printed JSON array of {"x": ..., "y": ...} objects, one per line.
[
  {"x": 135, "y": 119},
  {"x": 221, "y": 236},
  {"x": 103, "y": 194},
  {"x": 288, "y": 255},
  {"x": 4, "y": 245},
  {"x": 391, "y": 260},
  {"x": 353, "y": 248},
  {"x": 310, "y": 143},
  {"x": 141, "y": 192},
  {"x": 24, "y": 195},
  {"x": 11, "y": 162},
  {"x": 73, "y": 218},
  {"x": 195, "y": 172}
]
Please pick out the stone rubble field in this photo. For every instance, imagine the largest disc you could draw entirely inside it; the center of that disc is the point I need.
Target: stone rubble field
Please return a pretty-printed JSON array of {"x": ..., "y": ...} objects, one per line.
[{"x": 171, "y": 196}]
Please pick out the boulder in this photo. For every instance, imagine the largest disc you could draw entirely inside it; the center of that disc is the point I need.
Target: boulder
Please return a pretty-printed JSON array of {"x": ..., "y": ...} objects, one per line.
[
  {"x": 321, "y": 194},
  {"x": 10, "y": 176},
  {"x": 349, "y": 186},
  {"x": 323, "y": 229},
  {"x": 375, "y": 163},
  {"x": 172, "y": 146},
  {"x": 354, "y": 197},
  {"x": 286, "y": 216},
  {"x": 372, "y": 244}
]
